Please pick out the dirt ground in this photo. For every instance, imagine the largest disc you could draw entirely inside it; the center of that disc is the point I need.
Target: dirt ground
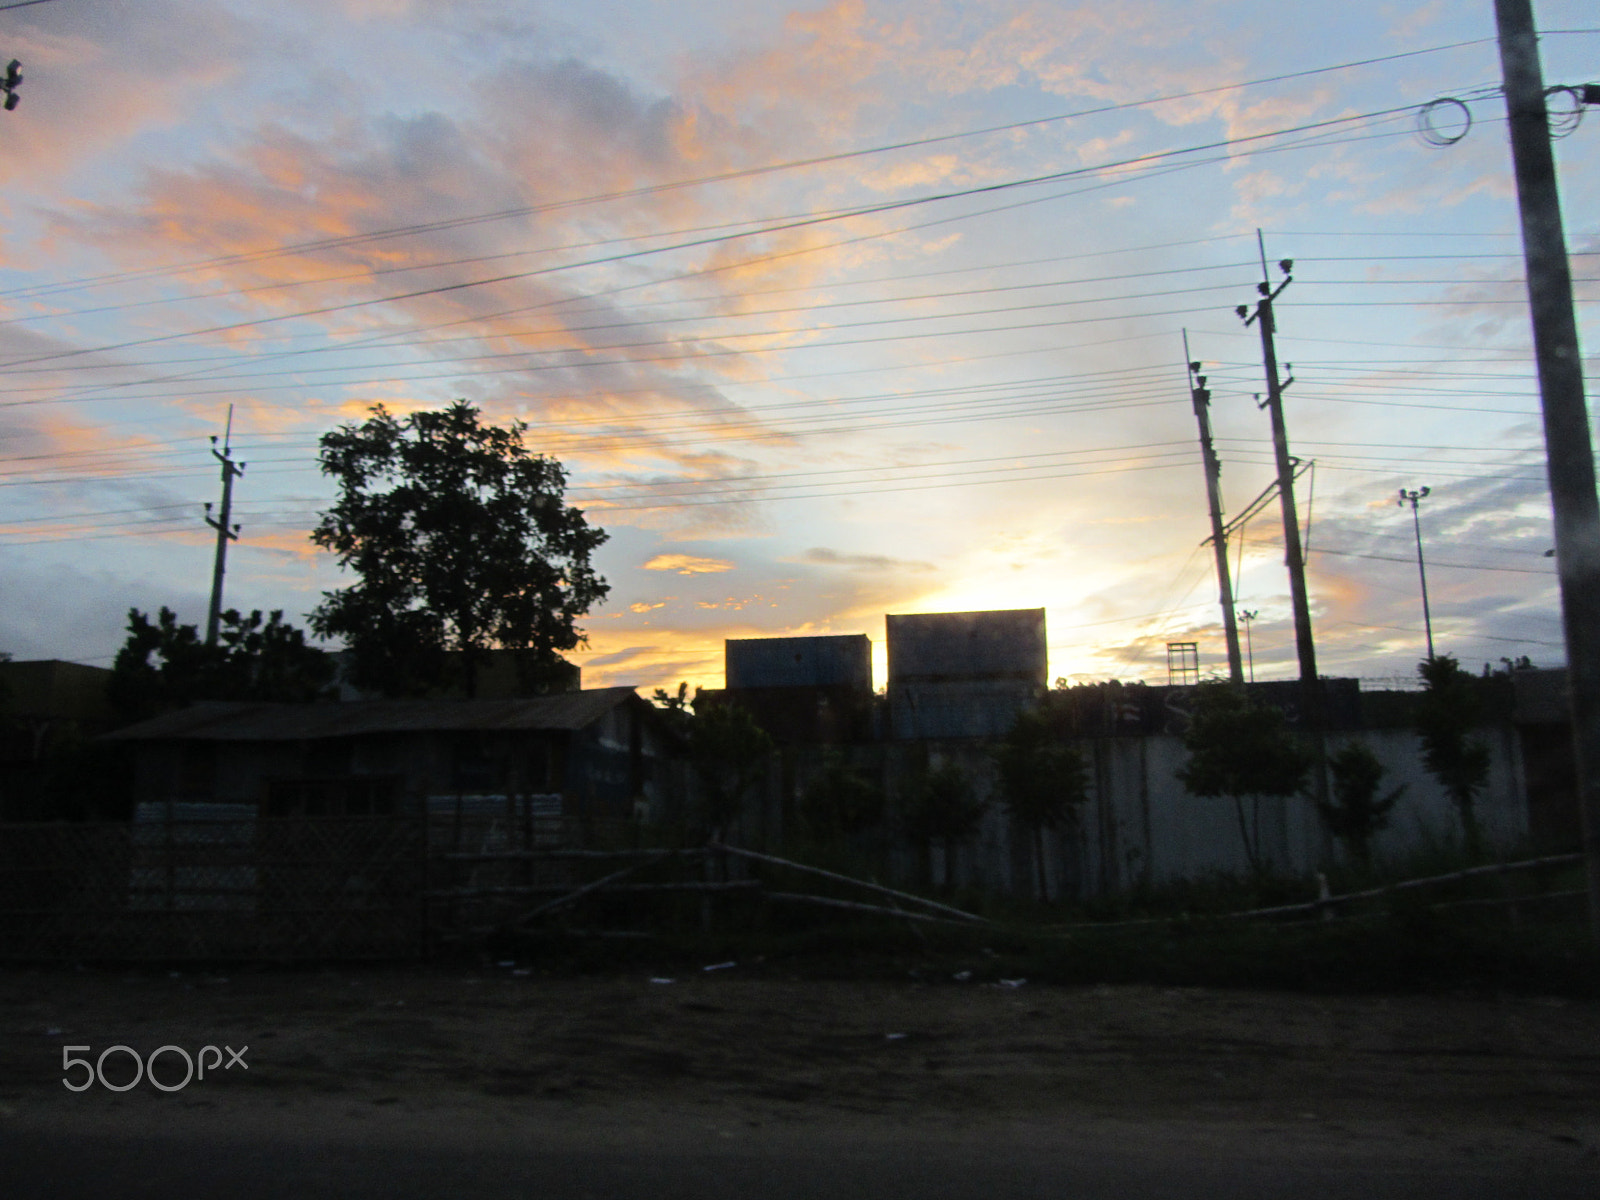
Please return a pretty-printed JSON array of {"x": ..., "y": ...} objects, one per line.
[{"x": 471, "y": 1047}]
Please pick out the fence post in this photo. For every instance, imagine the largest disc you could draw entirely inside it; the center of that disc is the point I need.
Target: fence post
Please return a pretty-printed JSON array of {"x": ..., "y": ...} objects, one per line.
[
  {"x": 1513, "y": 909},
  {"x": 1324, "y": 898},
  {"x": 425, "y": 938},
  {"x": 172, "y": 870}
]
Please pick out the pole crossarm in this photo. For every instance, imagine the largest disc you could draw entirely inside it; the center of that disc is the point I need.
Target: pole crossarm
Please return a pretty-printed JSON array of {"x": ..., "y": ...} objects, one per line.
[{"x": 1260, "y": 502}]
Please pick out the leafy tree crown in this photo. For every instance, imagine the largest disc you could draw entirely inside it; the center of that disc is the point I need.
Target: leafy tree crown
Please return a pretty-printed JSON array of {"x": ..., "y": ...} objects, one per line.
[
  {"x": 462, "y": 542},
  {"x": 166, "y": 665},
  {"x": 1449, "y": 710},
  {"x": 1041, "y": 776},
  {"x": 942, "y": 806},
  {"x": 1237, "y": 748}
]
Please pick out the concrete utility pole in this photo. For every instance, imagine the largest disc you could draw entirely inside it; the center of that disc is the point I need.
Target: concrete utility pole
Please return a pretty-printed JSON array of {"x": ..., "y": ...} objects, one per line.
[
  {"x": 1416, "y": 496},
  {"x": 225, "y": 532},
  {"x": 1219, "y": 541},
  {"x": 1294, "y": 556},
  {"x": 1569, "y": 454}
]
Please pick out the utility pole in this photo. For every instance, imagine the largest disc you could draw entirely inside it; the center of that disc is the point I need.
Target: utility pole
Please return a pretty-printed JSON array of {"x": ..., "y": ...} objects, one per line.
[
  {"x": 225, "y": 533},
  {"x": 1294, "y": 556},
  {"x": 1219, "y": 541},
  {"x": 1569, "y": 455},
  {"x": 1415, "y": 497}
]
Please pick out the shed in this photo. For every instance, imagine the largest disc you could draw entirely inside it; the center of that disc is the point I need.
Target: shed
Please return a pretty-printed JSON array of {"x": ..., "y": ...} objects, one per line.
[
  {"x": 964, "y": 675},
  {"x": 841, "y": 661},
  {"x": 949, "y": 647},
  {"x": 801, "y": 690},
  {"x": 602, "y": 752}
]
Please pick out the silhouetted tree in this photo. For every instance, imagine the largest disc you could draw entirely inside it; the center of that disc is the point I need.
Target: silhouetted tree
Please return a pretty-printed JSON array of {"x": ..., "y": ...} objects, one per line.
[
  {"x": 729, "y": 753},
  {"x": 677, "y": 707},
  {"x": 1445, "y": 717},
  {"x": 1238, "y": 749},
  {"x": 841, "y": 801},
  {"x": 462, "y": 542},
  {"x": 1041, "y": 781},
  {"x": 1355, "y": 814},
  {"x": 941, "y": 806},
  {"x": 166, "y": 665}
]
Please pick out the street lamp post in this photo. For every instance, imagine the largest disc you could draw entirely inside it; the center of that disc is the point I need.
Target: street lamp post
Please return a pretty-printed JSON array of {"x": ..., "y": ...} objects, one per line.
[
  {"x": 1416, "y": 522},
  {"x": 1246, "y": 615}
]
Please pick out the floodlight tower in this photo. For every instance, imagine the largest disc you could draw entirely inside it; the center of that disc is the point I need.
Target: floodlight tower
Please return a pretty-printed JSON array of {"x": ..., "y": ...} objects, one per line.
[{"x": 1415, "y": 497}]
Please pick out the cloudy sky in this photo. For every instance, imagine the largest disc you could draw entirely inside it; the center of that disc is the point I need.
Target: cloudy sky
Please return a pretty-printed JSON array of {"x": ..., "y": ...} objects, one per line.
[{"x": 830, "y": 310}]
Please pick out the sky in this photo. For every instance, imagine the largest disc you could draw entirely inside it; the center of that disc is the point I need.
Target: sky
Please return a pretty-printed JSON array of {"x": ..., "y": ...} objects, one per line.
[{"x": 829, "y": 311}]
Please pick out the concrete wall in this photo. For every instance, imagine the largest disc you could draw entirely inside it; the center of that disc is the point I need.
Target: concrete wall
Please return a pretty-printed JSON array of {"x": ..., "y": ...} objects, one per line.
[
  {"x": 958, "y": 709},
  {"x": 1140, "y": 825}
]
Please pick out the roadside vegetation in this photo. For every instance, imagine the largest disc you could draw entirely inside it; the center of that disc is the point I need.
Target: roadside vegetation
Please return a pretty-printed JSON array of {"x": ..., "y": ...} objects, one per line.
[
  {"x": 1461, "y": 934},
  {"x": 1517, "y": 931}
]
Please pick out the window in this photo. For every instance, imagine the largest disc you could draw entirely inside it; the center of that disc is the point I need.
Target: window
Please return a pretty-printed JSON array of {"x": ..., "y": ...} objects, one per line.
[{"x": 333, "y": 796}]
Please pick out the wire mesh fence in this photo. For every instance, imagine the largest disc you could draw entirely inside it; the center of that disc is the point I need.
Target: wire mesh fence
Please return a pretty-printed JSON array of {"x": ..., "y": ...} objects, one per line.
[
  {"x": 220, "y": 888},
  {"x": 200, "y": 881}
]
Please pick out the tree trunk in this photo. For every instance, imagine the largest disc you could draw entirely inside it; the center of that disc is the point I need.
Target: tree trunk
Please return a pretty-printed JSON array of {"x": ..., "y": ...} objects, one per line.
[
  {"x": 1244, "y": 836},
  {"x": 1038, "y": 863}
]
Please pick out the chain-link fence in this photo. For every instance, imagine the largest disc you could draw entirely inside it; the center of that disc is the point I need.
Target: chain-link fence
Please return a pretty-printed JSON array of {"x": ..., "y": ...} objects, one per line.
[{"x": 230, "y": 887}]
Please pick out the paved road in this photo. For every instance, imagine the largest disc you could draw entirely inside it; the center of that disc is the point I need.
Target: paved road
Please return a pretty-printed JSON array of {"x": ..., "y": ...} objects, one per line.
[{"x": 709, "y": 1156}]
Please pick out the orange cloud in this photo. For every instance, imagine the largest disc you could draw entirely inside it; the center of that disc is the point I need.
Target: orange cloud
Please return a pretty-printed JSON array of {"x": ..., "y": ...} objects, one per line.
[
  {"x": 295, "y": 544},
  {"x": 688, "y": 564}
]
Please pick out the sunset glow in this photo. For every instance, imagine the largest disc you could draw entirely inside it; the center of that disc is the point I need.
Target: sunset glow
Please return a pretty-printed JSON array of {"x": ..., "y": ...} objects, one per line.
[{"x": 829, "y": 311}]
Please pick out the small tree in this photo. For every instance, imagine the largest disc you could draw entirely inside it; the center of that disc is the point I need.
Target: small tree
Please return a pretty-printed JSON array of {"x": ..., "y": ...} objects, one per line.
[
  {"x": 729, "y": 752},
  {"x": 463, "y": 543},
  {"x": 1237, "y": 749},
  {"x": 676, "y": 707},
  {"x": 941, "y": 806},
  {"x": 166, "y": 665},
  {"x": 1041, "y": 781},
  {"x": 1355, "y": 814},
  {"x": 841, "y": 801},
  {"x": 1445, "y": 717}
]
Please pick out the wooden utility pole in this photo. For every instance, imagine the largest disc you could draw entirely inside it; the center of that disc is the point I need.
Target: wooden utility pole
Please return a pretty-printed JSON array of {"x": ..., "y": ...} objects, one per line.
[
  {"x": 1569, "y": 454},
  {"x": 1293, "y": 554},
  {"x": 1219, "y": 540},
  {"x": 225, "y": 533}
]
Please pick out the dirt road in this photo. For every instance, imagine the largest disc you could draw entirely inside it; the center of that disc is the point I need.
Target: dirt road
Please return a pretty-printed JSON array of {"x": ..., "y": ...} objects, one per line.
[{"x": 730, "y": 1063}]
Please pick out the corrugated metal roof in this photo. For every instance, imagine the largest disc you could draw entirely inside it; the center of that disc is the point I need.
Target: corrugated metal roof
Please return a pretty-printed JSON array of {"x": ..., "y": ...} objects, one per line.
[{"x": 244, "y": 722}]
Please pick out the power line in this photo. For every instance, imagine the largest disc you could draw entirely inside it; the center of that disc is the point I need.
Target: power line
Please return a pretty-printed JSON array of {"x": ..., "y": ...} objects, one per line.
[
  {"x": 480, "y": 318},
  {"x": 865, "y": 210},
  {"x": 745, "y": 173}
]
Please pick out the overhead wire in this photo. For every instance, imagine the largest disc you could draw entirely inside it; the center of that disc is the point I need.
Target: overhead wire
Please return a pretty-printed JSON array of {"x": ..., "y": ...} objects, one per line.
[
  {"x": 631, "y": 287},
  {"x": 738, "y": 174},
  {"x": 864, "y": 210}
]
